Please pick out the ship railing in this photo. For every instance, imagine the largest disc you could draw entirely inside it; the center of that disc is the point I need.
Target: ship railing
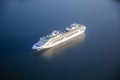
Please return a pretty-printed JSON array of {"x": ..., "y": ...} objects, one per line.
[
  {"x": 43, "y": 39},
  {"x": 72, "y": 26},
  {"x": 39, "y": 43}
]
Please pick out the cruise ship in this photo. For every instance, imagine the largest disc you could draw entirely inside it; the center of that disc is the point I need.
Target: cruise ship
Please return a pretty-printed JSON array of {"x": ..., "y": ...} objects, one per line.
[{"x": 57, "y": 37}]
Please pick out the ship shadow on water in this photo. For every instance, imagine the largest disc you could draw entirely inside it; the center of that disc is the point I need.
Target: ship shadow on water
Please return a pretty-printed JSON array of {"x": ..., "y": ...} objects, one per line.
[{"x": 51, "y": 52}]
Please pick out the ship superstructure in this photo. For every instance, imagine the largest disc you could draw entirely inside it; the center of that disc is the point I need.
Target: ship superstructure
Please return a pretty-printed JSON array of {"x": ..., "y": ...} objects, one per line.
[{"x": 57, "y": 37}]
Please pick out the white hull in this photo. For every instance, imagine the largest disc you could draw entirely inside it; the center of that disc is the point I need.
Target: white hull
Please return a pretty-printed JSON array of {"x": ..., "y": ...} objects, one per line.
[
  {"x": 54, "y": 51},
  {"x": 61, "y": 41}
]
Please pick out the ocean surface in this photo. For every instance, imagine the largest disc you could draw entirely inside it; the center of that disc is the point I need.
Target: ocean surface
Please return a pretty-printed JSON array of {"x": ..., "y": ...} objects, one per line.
[{"x": 94, "y": 55}]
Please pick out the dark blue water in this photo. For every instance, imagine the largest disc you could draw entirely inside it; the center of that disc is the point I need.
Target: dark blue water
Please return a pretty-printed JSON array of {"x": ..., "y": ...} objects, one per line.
[{"x": 94, "y": 56}]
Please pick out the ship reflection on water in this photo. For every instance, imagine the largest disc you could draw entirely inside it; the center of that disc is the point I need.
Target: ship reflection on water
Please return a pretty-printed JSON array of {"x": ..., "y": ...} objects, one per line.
[{"x": 54, "y": 51}]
